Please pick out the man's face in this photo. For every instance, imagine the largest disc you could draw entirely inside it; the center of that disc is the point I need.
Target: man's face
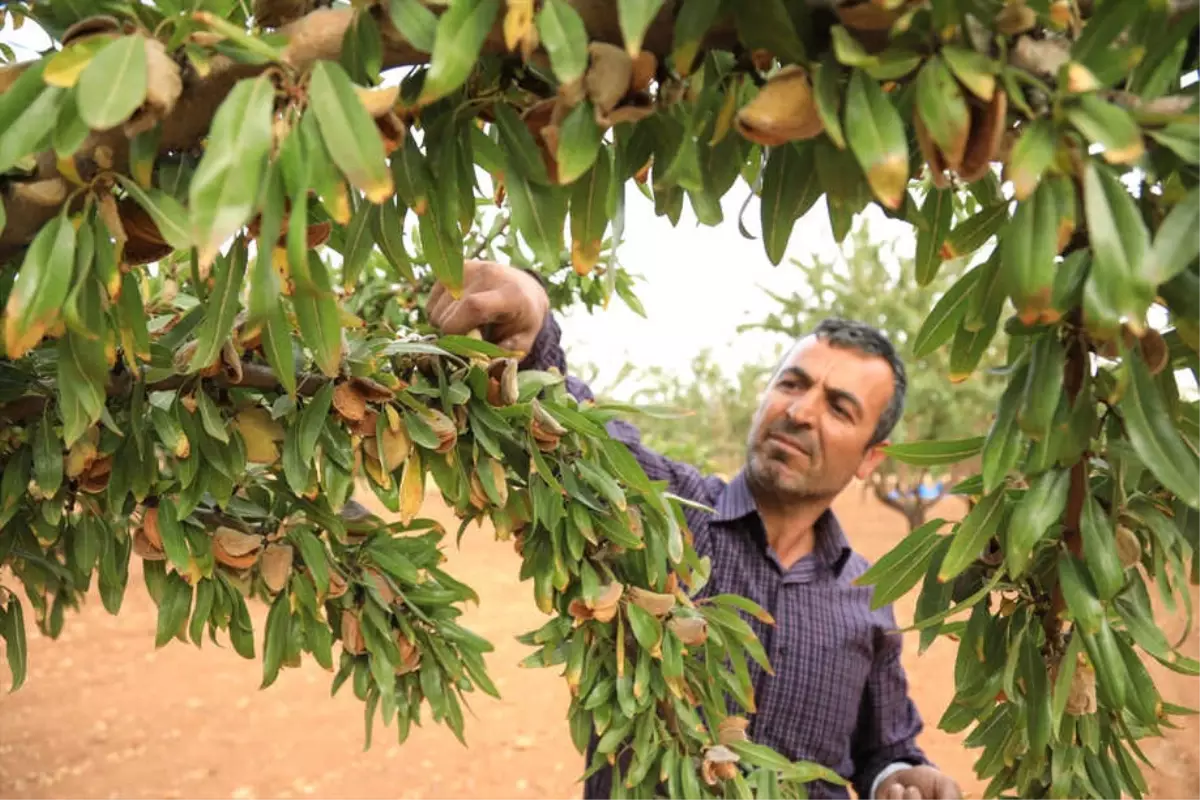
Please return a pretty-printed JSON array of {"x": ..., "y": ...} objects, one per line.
[{"x": 810, "y": 433}]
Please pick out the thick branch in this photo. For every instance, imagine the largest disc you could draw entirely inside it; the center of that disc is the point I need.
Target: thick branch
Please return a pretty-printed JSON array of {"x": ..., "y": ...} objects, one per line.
[
  {"x": 316, "y": 36},
  {"x": 254, "y": 376}
]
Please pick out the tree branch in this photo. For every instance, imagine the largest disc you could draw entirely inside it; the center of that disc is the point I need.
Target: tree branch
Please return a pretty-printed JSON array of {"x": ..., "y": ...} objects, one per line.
[
  {"x": 254, "y": 376},
  {"x": 316, "y": 36}
]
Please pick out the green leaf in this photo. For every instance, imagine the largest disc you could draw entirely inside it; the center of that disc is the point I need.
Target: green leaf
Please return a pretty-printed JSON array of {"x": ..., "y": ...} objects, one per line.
[
  {"x": 275, "y": 636},
  {"x": 358, "y": 245},
  {"x": 221, "y": 308},
  {"x": 578, "y": 143},
  {"x": 876, "y": 136},
  {"x": 1079, "y": 592},
  {"x": 12, "y": 627},
  {"x": 1182, "y": 138},
  {"x": 168, "y": 214},
  {"x": 646, "y": 628},
  {"x": 973, "y": 232},
  {"x": 827, "y": 94},
  {"x": 277, "y": 345},
  {"x": 1175, "y": 244},
  {"x": 1108, "y": 125},
  {"x": 766, "y": 25},
  {"x": 27, "y": 115},
  {"x": 790, "y": 187},
  {"x": 564, "y": 36},
  {"x": 934, "y": 454},
  {"x": 113, "y": 84},
  {"x": 943, "y": 110},
  {"x": 36, "y": 299},
  {"x": 174, "y": 542},
  {"x": 939, "y": 327},
  {"x": 904, "y": 565},
  {"x": 319, "y": 318},
  {"x": 521, "y": 151},
  {"x": 1120, "y": 244},
  {"x": 692, "y": 21},
  {"x": 461, "y": 31},
  {"x": 206, "y": 591},
  {"x": 225, "y": 186},
  {"x": 415, "y": 22},
  {"x": 1031, "y": 156},
  {"x": 973, "y": 534},
  {"x": 538, "y": 212},
  {"x": 634, "y": 17},
  {"x": 1157, "y": 442},
  {"x": 349, "y": 133},
  {"x": 174, "y": 608},
  {"x": 589, "y": 216},
  {"x": 976, "y": 70},
  {"x": 938, "y": 213}
]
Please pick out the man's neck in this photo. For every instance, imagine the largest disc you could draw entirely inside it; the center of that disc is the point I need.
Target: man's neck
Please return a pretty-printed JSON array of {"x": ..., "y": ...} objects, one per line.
[{"x": 790, "y": 524}]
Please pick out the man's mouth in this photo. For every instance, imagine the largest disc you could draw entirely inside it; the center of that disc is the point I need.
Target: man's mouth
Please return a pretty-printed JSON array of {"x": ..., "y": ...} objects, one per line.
[{"x": 790, "y": 445}]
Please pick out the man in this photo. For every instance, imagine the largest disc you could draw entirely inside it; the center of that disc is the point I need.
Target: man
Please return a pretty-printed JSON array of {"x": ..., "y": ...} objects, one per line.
[{"x": 839, "y": 694}]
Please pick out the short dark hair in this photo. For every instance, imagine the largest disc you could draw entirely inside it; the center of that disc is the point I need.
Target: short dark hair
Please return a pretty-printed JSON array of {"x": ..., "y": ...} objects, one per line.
[{"x": 863, "y": 338}]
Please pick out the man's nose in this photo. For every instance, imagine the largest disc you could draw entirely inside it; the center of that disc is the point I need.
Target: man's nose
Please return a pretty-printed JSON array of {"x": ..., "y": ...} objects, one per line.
[{"x": 802, "y": 410}]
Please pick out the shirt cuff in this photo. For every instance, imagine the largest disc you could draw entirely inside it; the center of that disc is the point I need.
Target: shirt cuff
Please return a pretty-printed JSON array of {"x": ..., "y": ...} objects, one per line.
[{"x": 886, "y": 772}]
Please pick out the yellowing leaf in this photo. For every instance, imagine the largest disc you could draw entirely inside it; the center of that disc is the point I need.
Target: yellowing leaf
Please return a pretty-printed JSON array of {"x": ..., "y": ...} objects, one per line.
[
  {"x": 876, "y": 136},
  {"x": 225, "y": 187},
  {"x": 114, "y": 83},
  {"x": 260, "y": 433},
  {"x": 412, "y": 487},
  {"x": 350, "y": 135},
  {"x": 64, "y": 67},
  {"x": 41, "y": 287},
  {"x": 635, "y": 17}
]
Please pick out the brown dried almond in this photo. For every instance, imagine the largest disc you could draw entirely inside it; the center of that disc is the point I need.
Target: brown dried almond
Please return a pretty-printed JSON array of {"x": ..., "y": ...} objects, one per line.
[
  {"x": 236, "y": 548},
  {"x": 933, "y": 156},
  {"x": 349, "y": 403},
  {"x": 446, "y": 430},
  {"x": 410, "y": 655},
  {"x": 146, "y": 549},
  {"x": 689, "y": 630},
  {"x": 644, "y": 68},
  {"x": 732, "y": 729},
  {"x": 150, "y": 527},
  {"x": 504, "y": 372},
  {"x": 1154, "y": 351},
  {"x": 1129, "y": 547},
  {"x": 987, "y": 130},
  {"x": 276, "y": 565},
  {"x": 608, "y": 76},
  {"x": 352, "y": 638},
  {"x": 337, "y": 585},
  {"x": 1081, "y": 699},
  {"x": 478, "y": 497},
  {"x": 382, "y": 585},
  {"x": 372, "y": 391},
  {"x": 783, "y": 111},
  {"x": 1015, "y": 18},
  {"x": 657, "y": 604}
]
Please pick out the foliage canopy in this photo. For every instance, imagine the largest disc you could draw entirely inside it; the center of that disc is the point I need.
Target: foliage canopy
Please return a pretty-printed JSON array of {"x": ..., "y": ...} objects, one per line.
[{"x": 218, "y": 228}]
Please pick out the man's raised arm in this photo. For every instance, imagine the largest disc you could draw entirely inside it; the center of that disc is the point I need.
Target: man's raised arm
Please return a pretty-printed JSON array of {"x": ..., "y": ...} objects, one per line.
[{"x": 513, "y": 310}]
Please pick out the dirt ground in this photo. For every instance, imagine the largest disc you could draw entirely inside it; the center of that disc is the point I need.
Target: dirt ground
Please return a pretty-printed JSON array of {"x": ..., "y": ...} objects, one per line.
[{"x": 104, "y": 714}]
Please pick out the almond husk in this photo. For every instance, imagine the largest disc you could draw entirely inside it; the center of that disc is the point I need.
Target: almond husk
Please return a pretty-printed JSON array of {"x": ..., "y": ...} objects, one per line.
[
  {"x": 164, "y": 85},
  {"x": 644, "y": 68},
  {"x": 987, "y": 131},
  {"x": 235, "y": 548},
  {"x": 733, "y": 729},
  {"x": 276, "y": 565},
  {"x": 410, "y": 656},
  {"x": 608, "y": 76},
  {"x": 146, "y": 549},
  {"x": 352, "y": 639},
  {"x": 689, "y": 630},
  {"x": 150, "y": 528},
  {"x": 351, "y": 405},
  {"x": 1154, "y": 351},
  {"x": 337, "y": 585},
  {"x": 1129, "y": 548},
  {"x": 502, "y": 385},
  {"x": 81, "y": 455},
  {"x": 783, "y": 111},
  {"x": 1082, "y": 696},
  {"x": 657, "y": 604},
  {"x": 446, "y": 430},
  {"x": 720, "y": 764},
  {"x": 381, "y": 585}
]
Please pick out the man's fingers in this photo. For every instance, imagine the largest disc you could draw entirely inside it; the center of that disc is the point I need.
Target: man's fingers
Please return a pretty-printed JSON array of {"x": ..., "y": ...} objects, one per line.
[
  {"x": 894, "y": 792},
  {"x": 439, "y": 298},
  {"x": 472, "y": 311},
  {"x": 912, "y": 793}
]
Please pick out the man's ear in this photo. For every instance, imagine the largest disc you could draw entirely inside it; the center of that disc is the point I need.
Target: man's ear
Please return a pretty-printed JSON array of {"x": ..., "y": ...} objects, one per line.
[{"x": 871, "y": 459}]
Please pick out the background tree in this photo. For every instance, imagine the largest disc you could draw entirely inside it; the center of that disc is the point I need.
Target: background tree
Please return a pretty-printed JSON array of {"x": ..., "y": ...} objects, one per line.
[
  {"x": 873, "y": 283},
  {"x": 192, "y": 194}
]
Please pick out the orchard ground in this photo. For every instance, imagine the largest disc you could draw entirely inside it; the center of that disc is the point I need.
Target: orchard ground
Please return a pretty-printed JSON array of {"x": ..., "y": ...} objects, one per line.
[{"x": 103, "y": 714}]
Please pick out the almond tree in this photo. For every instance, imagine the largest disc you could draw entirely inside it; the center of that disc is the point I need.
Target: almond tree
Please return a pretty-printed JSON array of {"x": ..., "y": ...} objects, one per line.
[{"x": 218, "y": 224}]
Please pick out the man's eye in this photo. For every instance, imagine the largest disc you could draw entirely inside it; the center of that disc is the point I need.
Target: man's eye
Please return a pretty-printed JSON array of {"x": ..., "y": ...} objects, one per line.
[{"x": 841, "y": 412}]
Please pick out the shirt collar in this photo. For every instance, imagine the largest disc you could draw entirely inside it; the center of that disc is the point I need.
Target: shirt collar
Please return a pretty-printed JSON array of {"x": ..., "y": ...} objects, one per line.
[{"x": 737, "y": 502}]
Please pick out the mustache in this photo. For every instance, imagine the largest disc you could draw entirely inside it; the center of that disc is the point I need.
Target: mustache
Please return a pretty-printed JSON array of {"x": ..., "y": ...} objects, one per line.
[{"x": 802, "y": 437}]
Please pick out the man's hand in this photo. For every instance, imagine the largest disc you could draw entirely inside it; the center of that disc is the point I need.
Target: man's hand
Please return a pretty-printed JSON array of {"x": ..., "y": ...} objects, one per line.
[
  {"x": 918, "y": 783},
  {"x": 512, "y": 302}
]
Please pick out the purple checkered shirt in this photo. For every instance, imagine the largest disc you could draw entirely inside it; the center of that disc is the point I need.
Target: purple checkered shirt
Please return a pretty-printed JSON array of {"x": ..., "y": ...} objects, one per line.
[{"x": 839, "y": 695}]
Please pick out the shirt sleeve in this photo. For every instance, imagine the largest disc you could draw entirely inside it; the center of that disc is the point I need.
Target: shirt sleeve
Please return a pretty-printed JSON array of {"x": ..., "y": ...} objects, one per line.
[
  {"x": 682, "y": 479},
  {"x": 888, "y": 721}
]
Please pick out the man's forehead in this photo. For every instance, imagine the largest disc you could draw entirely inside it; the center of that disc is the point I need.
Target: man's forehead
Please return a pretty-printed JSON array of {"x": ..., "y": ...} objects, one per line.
[{"x": 819, "y": 359}]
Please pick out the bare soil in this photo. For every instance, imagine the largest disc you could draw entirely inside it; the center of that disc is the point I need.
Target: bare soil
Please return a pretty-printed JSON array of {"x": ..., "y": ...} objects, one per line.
[{"x": 104, "y": 714}]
